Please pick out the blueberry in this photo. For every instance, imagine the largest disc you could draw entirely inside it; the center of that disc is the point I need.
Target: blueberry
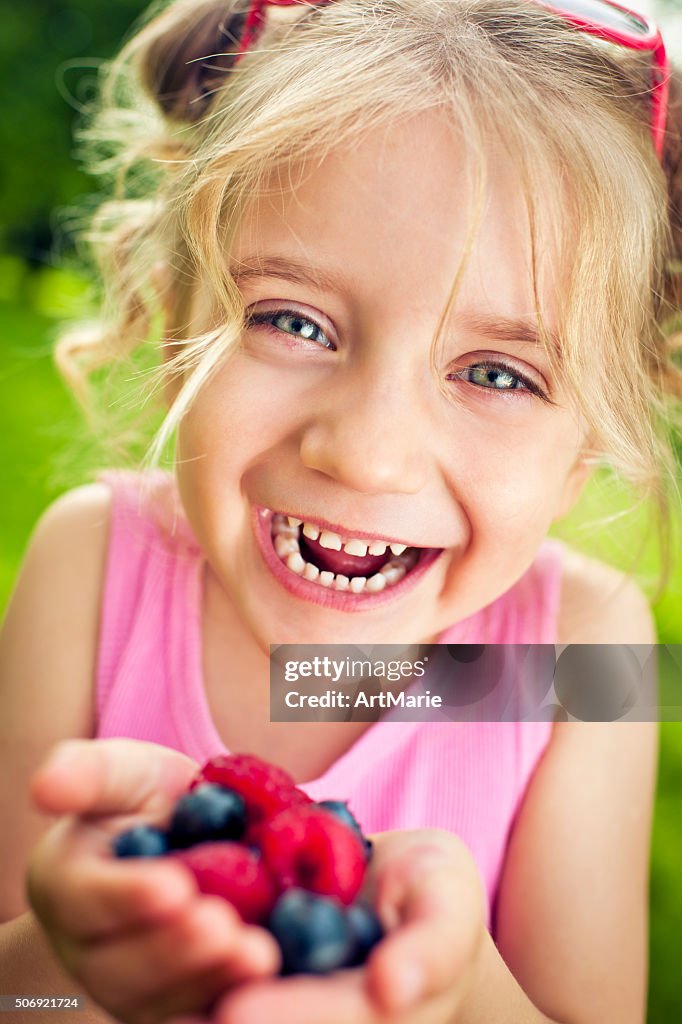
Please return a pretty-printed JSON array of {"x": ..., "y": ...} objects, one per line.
[
  {"x": 313, "y": 932},
  {"x": 342, "y": 811},
  {"x": 209, "y": 812},
  {"x": 366, "y": 929},
  {"x": 141, "y": 841}
]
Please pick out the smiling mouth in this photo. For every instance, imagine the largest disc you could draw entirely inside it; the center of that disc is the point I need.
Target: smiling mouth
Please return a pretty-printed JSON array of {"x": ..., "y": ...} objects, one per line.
[{"x": 335, "y": 562}]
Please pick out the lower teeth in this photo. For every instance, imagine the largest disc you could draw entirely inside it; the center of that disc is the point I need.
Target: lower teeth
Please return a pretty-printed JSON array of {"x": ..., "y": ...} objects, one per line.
[{"x": 285, "y": 541}]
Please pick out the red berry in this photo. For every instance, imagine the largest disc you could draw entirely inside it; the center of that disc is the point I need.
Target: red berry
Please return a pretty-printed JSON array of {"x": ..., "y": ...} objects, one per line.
[
  {"x": 310, "y": 848},
  {"x": 265, "y": 788},
  {"x": 236, "y": 873}
]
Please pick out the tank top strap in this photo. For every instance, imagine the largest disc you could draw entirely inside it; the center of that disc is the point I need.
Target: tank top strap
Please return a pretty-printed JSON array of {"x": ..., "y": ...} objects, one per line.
[{"x": 146, "y": 535}]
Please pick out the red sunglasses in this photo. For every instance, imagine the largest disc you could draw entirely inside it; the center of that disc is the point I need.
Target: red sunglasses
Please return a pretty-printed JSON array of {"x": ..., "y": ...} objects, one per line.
[{"x": 601, "y": 18}]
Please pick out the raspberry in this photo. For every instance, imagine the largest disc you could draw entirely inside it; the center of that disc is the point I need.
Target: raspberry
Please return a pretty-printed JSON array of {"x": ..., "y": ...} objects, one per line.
[
  {"x": 310, "y": 848},
  {"x": 235, "y": 872},
  {"x": 312, "y": 932},
  {"x": 265, "y": 788},
  {"x": 343, "y": 812}
]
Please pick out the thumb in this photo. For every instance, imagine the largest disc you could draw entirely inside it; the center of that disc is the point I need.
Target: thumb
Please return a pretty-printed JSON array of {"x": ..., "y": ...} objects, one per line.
[
  {"x": 110, "y": 776},
  {"x": 438, "y": 904}
]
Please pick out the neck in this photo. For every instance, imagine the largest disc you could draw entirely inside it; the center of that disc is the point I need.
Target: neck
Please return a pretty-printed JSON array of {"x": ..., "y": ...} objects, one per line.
[{"x": 230, "y": 651}]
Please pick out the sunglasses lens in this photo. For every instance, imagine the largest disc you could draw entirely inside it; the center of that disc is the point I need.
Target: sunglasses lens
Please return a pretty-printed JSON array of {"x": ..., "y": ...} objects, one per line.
[{"x": 605, "y": 14}]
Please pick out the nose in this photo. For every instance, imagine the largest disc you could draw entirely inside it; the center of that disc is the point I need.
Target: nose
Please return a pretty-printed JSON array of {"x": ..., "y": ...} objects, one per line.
[{"x": 367, "y": 438}]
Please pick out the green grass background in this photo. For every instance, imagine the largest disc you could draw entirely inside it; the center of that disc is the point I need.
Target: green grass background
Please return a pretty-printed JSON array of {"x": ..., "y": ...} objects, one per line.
[{"x": 41, "y": 455}]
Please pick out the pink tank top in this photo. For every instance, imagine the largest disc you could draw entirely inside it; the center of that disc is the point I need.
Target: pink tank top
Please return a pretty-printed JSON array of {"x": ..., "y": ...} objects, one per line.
[{"x": 466, "y": 777}]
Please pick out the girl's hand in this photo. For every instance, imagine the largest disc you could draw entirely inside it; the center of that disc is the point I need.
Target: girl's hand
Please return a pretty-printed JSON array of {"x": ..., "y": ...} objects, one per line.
[
  {"x": 427, "y": 891},
  {"x": 138, "y": 935}
]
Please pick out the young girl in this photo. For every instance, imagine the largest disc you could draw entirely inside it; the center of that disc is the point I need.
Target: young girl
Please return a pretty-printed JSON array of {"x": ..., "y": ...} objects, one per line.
[{"x": 414, "y": 263}]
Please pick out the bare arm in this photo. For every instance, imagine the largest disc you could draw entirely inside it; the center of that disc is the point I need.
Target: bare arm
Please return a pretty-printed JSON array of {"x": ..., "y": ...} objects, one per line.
[
  {"x": 47, "y": 664},
  {"x": 135, "y": 937},
  {"x": 47, "y": 659},
  {"x": 573, "y": 904},
  {"x": 28, "y": 966}
]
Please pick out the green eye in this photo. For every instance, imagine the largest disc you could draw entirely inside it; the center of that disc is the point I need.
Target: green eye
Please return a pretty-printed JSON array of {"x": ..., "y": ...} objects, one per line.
[
  {"x": 493, "y": 377},
  {"x": 292, "y": 324},
  {"x": 287, "y": 321},
  {"x": 500, "y": 377}
]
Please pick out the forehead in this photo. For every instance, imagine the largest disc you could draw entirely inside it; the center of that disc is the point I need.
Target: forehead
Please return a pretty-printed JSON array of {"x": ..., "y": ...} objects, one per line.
[{"x": 392, "y": 215}]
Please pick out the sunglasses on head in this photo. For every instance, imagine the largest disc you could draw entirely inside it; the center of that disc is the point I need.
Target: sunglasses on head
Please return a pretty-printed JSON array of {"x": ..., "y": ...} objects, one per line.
[{"x": 601, "y": 18}]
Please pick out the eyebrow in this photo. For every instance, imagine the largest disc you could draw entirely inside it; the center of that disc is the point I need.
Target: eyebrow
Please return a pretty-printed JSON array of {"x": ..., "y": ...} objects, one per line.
[
  {"x": 289, "y": 269},
  {"x": 521, "y": 330},
  {"x": 501, "y": 328}
]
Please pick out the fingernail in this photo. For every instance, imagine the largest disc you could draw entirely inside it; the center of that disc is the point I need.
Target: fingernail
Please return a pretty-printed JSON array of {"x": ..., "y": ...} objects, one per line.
[{"x": 410, "y": 986}]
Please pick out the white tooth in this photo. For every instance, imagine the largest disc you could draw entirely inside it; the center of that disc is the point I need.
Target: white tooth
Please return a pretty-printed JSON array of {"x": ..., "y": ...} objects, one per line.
[
  {"x": 296, "y": 563},
  {"x": 355, "y": 547},
  {"x": 284, "y": 530},
  {"x": 311, "y": 572},
  {"x": 392, "y": 563},
  {"x": 293, "y": 521},
  {"x": 376, "y": 583},
  {"x": 358, "y": 584},
  {"x": 310, "y": 530},
  {"x": 330, "y": 540},
  {"x": 326, "y": 579},
  {"x": 286, "y": 546},
  {"x": 377, "y": 547},
  {"x": 398, "y": 549},
  {"x": 341, "y": 582},
  {"x": 393, "y": 573}
]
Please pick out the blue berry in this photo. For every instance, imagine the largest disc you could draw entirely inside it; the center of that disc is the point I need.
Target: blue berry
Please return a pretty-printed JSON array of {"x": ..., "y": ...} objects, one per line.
[
  {"x": 342, "y": 811},
  {"x": 313, "y": 933},
  {"x": 141, "y": 841},
  {"x": 366, "y": 929},
  {"x": 206, "y": 814}
]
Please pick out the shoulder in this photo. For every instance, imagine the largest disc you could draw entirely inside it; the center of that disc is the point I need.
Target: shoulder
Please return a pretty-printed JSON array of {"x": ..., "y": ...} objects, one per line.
[
  {"x": 50, "y": 631},
  {"x": 83, "y": 507},
  {"x": 53, "y": 615},
  {"x": 66, "y": 550},
  {"x": 600, "y": 604}
]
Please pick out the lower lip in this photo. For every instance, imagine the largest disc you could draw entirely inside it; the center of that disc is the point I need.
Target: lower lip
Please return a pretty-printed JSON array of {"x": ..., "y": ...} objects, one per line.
[{"x": 340, "y": 600}]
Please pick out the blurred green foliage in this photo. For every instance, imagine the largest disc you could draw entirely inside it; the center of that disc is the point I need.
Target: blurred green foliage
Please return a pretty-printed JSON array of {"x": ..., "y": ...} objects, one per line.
[{"x": 49, "y": 52}]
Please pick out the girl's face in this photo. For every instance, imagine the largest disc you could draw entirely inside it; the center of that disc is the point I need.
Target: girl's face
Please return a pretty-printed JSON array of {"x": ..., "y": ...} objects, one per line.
[{"x": 331, "y": 410}]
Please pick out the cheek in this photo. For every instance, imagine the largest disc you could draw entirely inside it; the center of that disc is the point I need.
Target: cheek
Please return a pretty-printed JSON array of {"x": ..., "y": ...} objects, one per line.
[
  {"x": 242, "y": 410},
  {"x": 515, "y": 478}
]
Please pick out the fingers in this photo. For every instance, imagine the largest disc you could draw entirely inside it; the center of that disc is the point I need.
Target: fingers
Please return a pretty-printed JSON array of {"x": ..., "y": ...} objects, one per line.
[
  {"x": 76, "y": 886},
  {"x": 167, "y": 964},
  {"x": 335, "y": 999},
  {"x": 440, "y": 905},
  {"x": 112, "y": 776},
  {"x": 430, "y": 897}
]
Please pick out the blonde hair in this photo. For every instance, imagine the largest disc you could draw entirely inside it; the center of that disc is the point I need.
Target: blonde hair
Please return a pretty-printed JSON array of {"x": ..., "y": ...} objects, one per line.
[{"x": 188, "y": 140}]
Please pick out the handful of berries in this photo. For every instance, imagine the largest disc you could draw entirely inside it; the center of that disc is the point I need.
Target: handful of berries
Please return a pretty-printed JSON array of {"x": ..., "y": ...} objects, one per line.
[{"x": 248, "y": 834}]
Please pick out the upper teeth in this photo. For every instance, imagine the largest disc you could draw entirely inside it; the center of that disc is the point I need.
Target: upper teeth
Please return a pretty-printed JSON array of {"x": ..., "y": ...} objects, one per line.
[
  {"x": 352, "y": 546},
  {"x": 285, "y": 537}
]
